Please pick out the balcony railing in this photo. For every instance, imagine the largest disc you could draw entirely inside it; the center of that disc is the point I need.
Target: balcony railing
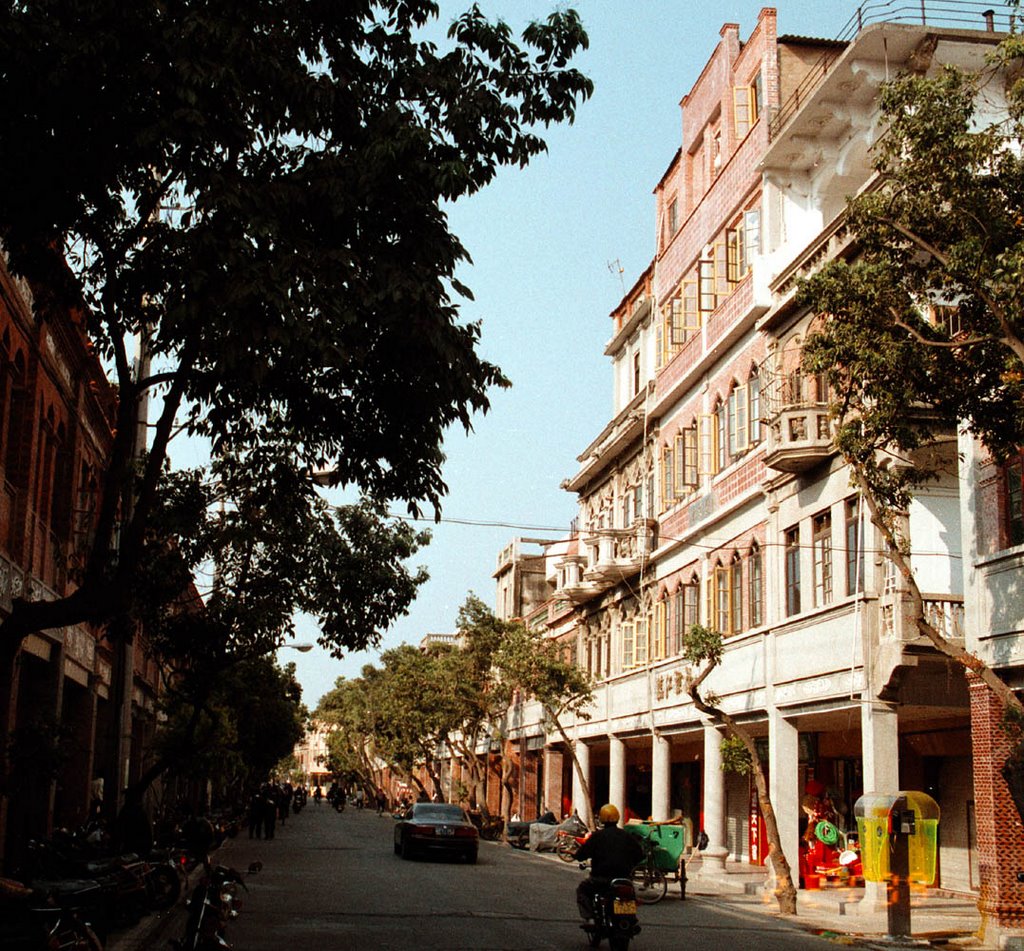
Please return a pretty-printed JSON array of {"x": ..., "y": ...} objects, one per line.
[
  {"x": 944, "y": 612},
  {"x": 942, "y": 14}
]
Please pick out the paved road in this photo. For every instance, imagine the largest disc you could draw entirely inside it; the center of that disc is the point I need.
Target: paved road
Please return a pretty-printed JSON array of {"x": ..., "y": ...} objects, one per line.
[{"x": 332, "y": 881}]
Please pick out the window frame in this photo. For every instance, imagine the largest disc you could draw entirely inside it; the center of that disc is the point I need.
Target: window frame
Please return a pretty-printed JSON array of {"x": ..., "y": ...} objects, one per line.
[
  {"x": 791, "y": 561},
  {"x": 854, "y": 531},
  {"x": 755, "y": 585},
  {"x": 822, "y": 558}
]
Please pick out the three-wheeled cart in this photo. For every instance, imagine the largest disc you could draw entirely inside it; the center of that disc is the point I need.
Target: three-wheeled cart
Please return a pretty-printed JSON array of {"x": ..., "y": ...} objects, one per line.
[{"x": 670, "y": 842}]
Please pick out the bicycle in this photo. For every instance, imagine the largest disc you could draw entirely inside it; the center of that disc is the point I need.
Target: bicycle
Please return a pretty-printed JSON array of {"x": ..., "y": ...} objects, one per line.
[
  {"x": 567, "y": 845},
  {"x": 649, "y": 881}
]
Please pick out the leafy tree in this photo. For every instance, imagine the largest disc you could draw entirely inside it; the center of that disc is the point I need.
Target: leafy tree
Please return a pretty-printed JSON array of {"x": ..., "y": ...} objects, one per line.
[
  {"x": 347, "y": 710},
  {"x": 256, "y": 191},
  {"x": 250, "y": 719},
  {"x": 924, "y": 329},
  {"x": 538, "y": 668},
  {"x": 412, "y": 708},
  {"x": 275, "y": 549},
  {"x": 702, "y": 647}
]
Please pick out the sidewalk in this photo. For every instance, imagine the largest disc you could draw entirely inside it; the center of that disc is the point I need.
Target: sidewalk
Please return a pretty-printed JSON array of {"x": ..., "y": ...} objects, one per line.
[{"x": 936, "y": 920}]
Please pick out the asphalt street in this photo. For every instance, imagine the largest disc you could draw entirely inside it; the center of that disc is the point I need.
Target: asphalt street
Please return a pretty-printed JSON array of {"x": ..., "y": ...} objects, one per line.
[{"x": 331, "y": 881}]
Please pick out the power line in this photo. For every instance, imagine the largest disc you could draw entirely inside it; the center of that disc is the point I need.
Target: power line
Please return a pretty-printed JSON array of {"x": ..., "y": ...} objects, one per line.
[{"x": 705, "y": 546}]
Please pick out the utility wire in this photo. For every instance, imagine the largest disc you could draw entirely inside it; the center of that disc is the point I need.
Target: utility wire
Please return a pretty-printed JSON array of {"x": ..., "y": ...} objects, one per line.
[{"x": 709, "y": 546}]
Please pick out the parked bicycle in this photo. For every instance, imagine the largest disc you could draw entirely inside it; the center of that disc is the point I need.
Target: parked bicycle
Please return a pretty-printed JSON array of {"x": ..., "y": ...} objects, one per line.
[
  {"x": 568, "y": 844},
  {"x": 649, "y": 881}
]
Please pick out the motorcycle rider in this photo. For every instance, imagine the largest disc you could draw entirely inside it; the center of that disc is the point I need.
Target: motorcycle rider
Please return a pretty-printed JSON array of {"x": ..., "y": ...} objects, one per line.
[{"x": 613, "y": 853}]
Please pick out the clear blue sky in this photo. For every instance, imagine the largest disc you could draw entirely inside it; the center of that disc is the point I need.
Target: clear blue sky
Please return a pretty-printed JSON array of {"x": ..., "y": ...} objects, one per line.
[{"x": 547, "y": 243}]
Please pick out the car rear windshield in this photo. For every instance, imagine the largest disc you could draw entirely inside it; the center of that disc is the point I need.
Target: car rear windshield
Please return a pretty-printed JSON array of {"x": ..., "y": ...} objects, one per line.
[{"x": 440, "y": 813}]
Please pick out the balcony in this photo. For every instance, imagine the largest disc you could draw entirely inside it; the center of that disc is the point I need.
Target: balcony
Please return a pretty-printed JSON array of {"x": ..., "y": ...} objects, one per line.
[
  {"x": 944, "y": 612},
  {"x": 612, "y": 555},
  {"x": 799, "y": 437}
]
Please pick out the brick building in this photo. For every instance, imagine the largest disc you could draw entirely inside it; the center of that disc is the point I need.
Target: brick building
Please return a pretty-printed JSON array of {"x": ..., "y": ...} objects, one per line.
[{"x": 56, "y": 413}]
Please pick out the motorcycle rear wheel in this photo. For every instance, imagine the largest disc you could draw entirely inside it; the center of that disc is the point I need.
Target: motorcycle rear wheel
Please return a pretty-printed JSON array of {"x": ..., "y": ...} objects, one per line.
[
  {"x": 619, "y": 942},
  {"x": 566, "y": 849}
]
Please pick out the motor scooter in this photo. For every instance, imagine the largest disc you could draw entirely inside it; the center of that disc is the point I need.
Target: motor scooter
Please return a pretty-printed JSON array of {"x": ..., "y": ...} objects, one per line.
[{"x": 614, "y": 914}]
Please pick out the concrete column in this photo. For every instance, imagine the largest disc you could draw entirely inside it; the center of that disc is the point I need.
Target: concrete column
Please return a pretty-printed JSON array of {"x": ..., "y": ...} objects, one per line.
[
  {"x": 578, "y": 798},
  {"x": 661, "y": 778},
  {"x": 713, "y": 862},
  {"x": 617, "y": 773},
  {"x": 783, "y": 784},
  {"x": 880, "y": 749}
]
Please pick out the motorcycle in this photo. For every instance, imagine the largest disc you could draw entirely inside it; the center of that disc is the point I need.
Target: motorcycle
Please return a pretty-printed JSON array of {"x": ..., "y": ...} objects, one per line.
[
  {"x": 214, "y": 902},
  {"x": 32, "y": 921},
  {"x": 614, "y": 914}
]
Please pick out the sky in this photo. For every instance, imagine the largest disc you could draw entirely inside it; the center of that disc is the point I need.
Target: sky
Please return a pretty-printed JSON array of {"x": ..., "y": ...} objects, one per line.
[{"x": 554, "y": 247}]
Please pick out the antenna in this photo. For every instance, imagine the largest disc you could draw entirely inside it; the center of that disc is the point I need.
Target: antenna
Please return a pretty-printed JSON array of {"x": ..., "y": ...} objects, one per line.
[{"x": 615, "y": 267}]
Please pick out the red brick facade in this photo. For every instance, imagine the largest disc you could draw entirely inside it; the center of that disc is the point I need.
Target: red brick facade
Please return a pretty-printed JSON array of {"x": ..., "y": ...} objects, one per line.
[{"x": 1000, "y": 834}]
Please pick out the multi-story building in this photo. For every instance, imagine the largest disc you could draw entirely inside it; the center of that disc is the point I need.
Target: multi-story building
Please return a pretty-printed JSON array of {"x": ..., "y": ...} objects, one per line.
[
  {"x": 715, "y": 494},
  {"x": 56, "y": 696}
]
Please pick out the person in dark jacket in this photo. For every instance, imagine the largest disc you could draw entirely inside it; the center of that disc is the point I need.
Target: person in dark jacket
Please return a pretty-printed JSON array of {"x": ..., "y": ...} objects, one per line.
[{"x": 613, "y": 853}]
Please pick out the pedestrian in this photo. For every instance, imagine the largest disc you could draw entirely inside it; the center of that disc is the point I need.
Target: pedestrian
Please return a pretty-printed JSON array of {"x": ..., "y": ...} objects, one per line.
[
  {"x": 360, "y": 796},
  {"x": 382, "y": 802},
  {"x": 255, "y": 815},
  {"x": 318, "y": 795},
  {"x": 269, "y": 810}
]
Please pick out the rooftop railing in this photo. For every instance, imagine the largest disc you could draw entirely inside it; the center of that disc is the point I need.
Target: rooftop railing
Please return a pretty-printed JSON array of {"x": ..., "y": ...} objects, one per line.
[{"x": 944, "y": 14}]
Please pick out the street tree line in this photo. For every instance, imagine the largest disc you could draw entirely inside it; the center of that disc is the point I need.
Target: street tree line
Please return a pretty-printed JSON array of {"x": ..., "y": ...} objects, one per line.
[{"x": 454, "y": 698}]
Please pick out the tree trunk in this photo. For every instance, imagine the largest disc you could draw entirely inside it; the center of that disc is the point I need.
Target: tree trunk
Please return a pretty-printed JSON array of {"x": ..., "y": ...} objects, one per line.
[
  {"x": 507, "y": 770},
  {"x": 785, "y": 890}
]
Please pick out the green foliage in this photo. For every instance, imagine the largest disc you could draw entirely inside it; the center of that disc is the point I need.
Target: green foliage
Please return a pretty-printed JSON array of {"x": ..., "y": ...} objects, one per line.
[
  {"x": 735, "y": 756},
  {"x": 275, "y": 549},
  {"x": 702, "y": 645},
  {"x": 260, "y": 187},
  {"x": 943, "y": 228},
  {"x": 420, "y": 698},
  {"x": 248, "y": 722}
]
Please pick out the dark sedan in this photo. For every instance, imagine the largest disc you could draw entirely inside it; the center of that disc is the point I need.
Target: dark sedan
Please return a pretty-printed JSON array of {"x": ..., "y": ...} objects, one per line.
[{"x": 436, "y": 827}]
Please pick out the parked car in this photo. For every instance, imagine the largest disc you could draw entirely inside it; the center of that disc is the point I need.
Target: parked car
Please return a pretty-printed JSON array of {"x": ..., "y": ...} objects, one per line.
[{"x": 436, "y": 827}]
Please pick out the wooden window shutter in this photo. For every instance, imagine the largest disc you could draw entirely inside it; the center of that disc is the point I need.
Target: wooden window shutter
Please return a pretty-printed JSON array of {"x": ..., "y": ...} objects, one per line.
[{"x": 741, "y": 110}]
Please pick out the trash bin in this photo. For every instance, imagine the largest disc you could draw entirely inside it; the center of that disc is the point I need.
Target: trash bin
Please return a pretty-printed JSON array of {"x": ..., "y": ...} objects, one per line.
[{"x": 881, "y": 816}]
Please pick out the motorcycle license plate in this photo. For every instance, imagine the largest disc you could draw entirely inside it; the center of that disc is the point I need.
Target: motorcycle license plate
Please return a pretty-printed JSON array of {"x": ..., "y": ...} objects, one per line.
[{"x": 624, "y": 907}]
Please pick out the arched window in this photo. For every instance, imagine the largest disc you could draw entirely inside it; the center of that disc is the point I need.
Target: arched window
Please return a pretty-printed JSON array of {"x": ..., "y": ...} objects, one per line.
[{"x": 728, "y": 599}]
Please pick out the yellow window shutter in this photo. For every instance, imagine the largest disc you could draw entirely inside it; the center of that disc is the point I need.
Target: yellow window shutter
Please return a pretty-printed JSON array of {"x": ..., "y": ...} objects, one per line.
[{"x": 741, "y": 110}]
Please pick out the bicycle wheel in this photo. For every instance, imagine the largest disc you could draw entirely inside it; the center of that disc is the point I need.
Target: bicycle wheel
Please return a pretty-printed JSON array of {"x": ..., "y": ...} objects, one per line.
[
  {"x": 566, "y": 848},
  {"x": 650, "y": 884}
]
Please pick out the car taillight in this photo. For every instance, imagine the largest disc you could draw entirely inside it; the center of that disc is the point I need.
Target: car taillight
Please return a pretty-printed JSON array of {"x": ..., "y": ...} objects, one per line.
[
  {"x": 463, "y": 831},
  {"x": 624, "y": 892},
  {"x": 422, "y": 830}
]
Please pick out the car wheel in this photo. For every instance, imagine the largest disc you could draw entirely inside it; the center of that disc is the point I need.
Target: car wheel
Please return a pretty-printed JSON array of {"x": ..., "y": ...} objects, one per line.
[
  {"x": 471, "y": 857},
  {"x": 398, "y": 848},
  {"x": 406, "y": 849}
]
